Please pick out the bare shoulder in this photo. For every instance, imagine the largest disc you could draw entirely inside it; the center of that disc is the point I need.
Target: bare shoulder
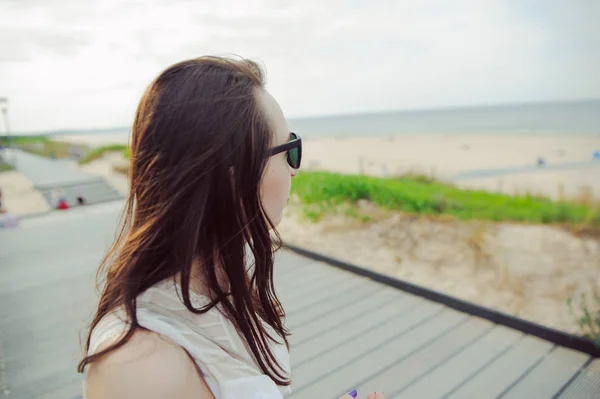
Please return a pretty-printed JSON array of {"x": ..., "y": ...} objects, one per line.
[{"x": 147, "y": 366}]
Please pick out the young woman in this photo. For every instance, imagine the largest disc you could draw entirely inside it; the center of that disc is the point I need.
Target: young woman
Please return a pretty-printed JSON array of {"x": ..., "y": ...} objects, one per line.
[{"x": 188, "y": 308}]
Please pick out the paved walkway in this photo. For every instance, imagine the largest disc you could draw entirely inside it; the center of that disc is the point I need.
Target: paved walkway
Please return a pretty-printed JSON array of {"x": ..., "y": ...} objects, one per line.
[
  {"x": 48, "y": 175},
  {"x": 44, "y": 172},
  {"x": 348, "y": 331}
]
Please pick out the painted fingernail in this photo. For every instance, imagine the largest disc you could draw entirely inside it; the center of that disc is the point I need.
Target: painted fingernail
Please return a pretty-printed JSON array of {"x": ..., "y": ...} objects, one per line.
[{"x": 353, "y": 393}]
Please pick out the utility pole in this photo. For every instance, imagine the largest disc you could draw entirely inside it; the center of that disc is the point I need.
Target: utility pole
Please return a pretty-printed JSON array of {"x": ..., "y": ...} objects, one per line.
[{"x": 4, "y": 108}]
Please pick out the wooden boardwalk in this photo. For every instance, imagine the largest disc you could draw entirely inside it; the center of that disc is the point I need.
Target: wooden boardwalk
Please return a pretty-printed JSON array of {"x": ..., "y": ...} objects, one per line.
[
  {"x": 349, "y": 332},
  {"x": 49, "y": 175}
]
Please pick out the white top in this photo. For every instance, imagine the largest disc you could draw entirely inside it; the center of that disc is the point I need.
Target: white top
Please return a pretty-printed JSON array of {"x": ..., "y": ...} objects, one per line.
[{"x": 211, "y": 339}]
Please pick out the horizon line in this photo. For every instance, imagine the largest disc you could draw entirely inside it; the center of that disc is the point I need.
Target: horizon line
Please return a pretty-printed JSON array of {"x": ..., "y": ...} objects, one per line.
[{"x": 334, "y": 115}]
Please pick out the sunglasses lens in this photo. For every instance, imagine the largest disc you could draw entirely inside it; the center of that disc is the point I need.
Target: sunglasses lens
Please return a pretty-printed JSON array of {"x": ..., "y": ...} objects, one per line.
[{"x": 293, "y": 155}]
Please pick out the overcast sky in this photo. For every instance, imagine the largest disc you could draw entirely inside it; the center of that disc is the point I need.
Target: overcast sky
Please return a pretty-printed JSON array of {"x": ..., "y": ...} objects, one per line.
[{"x": 84, "y": 64}]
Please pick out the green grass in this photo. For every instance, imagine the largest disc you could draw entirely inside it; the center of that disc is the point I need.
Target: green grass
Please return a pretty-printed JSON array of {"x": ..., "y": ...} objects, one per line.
[
  {"x": 324, "y": 192},
  {"x": 4, "y": 167},
  {"x": 43, "y": 146},
  {"x": 588, "y": 320},
  {"x": 100, "y": 151},
  {"x": 20, "y": 140}
]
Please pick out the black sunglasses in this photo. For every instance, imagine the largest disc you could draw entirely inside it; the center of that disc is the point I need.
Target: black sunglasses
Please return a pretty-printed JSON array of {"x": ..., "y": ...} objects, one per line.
[{"x": 293, "y": 148}]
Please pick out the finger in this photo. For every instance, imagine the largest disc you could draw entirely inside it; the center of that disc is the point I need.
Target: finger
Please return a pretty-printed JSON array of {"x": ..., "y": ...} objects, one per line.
[
  {"x": 371, "y": 395},
  {"x": 350, "y": 395},
  {"x": 379, "y": 395}
]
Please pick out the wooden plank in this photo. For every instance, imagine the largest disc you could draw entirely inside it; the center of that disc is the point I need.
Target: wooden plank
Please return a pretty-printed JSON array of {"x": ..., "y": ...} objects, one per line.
[
  {"x": 343, "y": 367},
  {"x": 294, "y": 285},
  {"x": 290, "y": 257},
  {"x": 412, "y": 365},
  {"x": 548, "y": 376},
  {"x": 341, "y": 309},
  {"x": 320, "y": 282},
  {"x": 450, "y": 374},
  {"x": 323, "y": 282},
  {"x": 323, "y": 291},
  {"x": 25, "y": 277},
  {"x": 291, "y": 273},
  {"x": 53, "y": 325},
  {"x": 336, "y": 333},
  {"x": 290, "y": 260},
  {"x": 493, "y": 379},
  {"x": 283, "y": 265},
  {"x": 586, "y": 384},
  {"x": 55, "y": 346},
  {"x": 46, "y": 375},
  {"x": 315, "y": 313},
  {"x": 297, "y": 286},
  {"x": 71, "y": 390},
  {"x": 284, "y": 272},
  {"x": 290, "y": 285},
  {"x": 20, "y": 309}
]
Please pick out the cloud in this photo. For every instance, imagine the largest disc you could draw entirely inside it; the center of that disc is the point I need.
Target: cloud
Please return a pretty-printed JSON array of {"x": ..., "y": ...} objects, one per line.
[
  {"x": 85, "y": 64},
  {"x": 20, "y": 44}
]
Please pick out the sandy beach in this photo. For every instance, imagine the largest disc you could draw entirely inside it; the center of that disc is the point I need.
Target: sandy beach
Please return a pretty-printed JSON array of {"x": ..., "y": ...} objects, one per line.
[
  {"x": 19, "y": 195},
  {"x": 505, "y": 163}
]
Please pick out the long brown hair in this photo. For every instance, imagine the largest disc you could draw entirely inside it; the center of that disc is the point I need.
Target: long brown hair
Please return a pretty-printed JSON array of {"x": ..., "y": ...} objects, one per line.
[{"x": 200, "y": 144}]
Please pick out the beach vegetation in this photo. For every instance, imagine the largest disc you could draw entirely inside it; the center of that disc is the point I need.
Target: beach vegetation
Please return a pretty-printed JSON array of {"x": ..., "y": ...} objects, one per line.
[
  {"x": 321, "y": 193},
  {"x": 98, "y": 152},
  {"x": 45, "y": 146},
  {"x": 5, "y": 167},
  {"x": 587, "y": 315}
]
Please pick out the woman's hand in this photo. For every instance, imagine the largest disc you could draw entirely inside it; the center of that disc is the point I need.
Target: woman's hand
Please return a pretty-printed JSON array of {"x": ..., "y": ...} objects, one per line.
[{"x": 372, "y": 395}]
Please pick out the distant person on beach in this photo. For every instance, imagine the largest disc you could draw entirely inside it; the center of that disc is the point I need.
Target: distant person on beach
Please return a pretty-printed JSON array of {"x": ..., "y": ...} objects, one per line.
[
  {"x": 79, "y": 196},
  {"x": 7, "y": 219},
  {"x": 60, "y": 200},
  {"x": 188, "y": 307}
]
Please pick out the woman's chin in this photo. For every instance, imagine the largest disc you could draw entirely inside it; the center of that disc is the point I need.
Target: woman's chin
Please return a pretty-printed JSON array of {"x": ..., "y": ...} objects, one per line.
[{"x": 277, "y": 220}]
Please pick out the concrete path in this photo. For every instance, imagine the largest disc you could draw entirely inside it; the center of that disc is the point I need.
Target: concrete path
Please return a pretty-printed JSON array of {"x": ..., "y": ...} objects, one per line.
[
  {"x": 45, "y": 172},
  {"x": 50, "y": 175}
]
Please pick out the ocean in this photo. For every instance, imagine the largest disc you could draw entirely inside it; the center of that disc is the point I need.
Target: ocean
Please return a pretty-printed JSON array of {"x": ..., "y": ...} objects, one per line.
[
  {"x": 566, "y": 117},
  {"x": 573, "y": 117}
]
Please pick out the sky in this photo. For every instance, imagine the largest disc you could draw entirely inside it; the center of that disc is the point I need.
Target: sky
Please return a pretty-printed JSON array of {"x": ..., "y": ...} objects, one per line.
[{"x": 83, "y": 64}]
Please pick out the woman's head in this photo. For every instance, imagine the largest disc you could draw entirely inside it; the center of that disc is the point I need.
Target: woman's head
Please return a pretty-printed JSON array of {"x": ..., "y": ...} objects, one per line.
[
  {"x": 203, "y": 185},
  {"x": 210, "y": 121}
]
